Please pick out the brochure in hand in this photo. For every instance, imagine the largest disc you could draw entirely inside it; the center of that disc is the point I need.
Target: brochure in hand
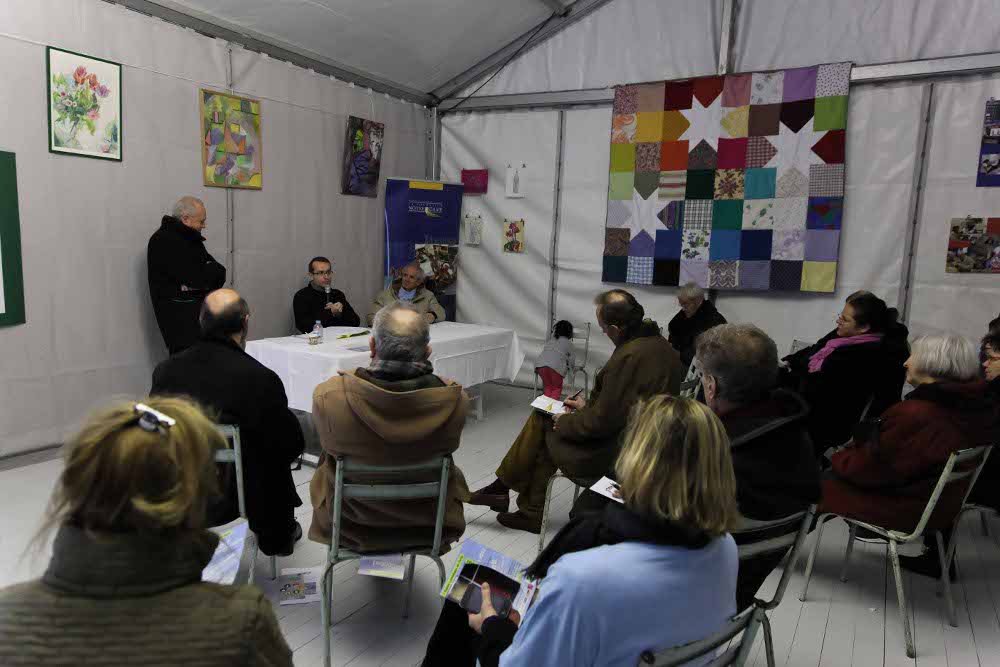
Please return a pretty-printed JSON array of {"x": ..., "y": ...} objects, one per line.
[
  {"x": 549, "y": 405},
  {"x": 478, "y": 564}
]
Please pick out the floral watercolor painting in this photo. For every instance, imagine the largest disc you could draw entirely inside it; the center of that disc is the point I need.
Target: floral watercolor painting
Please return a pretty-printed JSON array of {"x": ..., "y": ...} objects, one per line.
[{"x": 85, "y": 105}]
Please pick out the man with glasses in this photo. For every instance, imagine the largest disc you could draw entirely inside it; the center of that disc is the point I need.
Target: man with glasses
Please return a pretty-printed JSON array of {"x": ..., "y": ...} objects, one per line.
[{"x": 318, "y": 301}]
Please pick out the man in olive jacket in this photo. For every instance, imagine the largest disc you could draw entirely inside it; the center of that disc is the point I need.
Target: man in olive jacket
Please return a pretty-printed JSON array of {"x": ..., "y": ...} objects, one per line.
[
  {"x": 409, "y": 288},
  {"x": 584, "y": 442}
]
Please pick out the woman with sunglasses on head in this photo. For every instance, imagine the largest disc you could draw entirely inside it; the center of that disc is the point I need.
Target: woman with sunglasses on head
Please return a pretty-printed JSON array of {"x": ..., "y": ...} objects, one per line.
[{"x": 124, "y": 583}]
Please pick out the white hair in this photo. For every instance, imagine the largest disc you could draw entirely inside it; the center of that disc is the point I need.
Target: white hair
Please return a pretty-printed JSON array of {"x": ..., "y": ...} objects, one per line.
[
  {"x": 691, "y": 291},
  {"x": 415, "y": 265},
  {"x": 946, "y": 357},
  {"x": 399, "y": 337},
  {"x": 187, "y": 207}
]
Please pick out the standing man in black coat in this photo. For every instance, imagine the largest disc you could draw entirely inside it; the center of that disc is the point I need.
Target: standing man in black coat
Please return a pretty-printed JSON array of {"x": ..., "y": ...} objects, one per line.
[
  {"x": 218, "y": 374},
  {"x": 319, "y": 301},
  {"x": 697, "y": 315},
  {"x": 181, "y": 273}
]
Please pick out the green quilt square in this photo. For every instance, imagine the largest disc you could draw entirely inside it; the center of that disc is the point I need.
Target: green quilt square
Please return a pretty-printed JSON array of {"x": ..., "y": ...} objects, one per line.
[
  {"x": 621, "y": 185},
  {"x": 830, "y": 114},
  {"x": 727, "y": 214},
  {"x": 622, "y": 157},
  {"x": 700, "y": 184}
]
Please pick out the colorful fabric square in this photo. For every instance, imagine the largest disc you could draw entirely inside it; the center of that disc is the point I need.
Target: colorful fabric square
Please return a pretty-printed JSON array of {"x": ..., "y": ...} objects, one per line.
[
  {"x": 649, "y": 97},
  {"x": 647, "y": 183},
  {"x": 703, "y": 156},
  {"x": 790, "y": 212},
  {"x": 736, "y": 90},
  {"x": 799, "y": 84},
  {"x": 793, "y": 184},
  {"x": 732, "y": 153},
  {"x": 825, "y": 213},
  {"x": 623, "y": 128},
  {"x": 760, "y": 183},
  {"x": 818, "y": 276},
  {"x": 831, "y": 113},
  {"x": 708, "y": 88},
  {"x": 616, "y": 242},
  {"x": 700, "y": 184},
  {"x": 729, "y": 184},
  {"x": 694, "y": 271},
  {"x": 626, "y": 100},
  {"x": 623, "y": 157},
  {"x": 673, "y": 155},
  {"x": 678, "y": 95},
  {"x": 833, "y": 79},
  {"x": 621, "y": 185},
  {"x": 826, "y": 180},
  {"x": 695, "y": 244},
  {"x": 736, "y": 122},
  {"x": 672, "y": 216},
  {"x": 764, "y": 120},
  {"x": 724, "y": 274},
  {"x": 641, "y": 245},
  {"x": 666, "y": 271},
  {"x": 786, "y": 276},
  {"x": 727, "y": 214},
  {"x": 647, "y": 157},
  {"x": 822, "y": 245},
  {"x": 795, "y": 115},
  {"x": 755, "y": 275},
  {"x": 668, "y": 244},
  {"x": 831, "y": 147},
  {"x": 767, "y": 88},
  {"x": 675, "y": 124},
  {"x": 649, "y": 127},
  {"x": 755, "y": 244},
  {"x": 788, "y": 244},
  {"x": 673, "y": 185},
  {"x": 760, "y": 151},
  {"x": 698, "y": 215},
  {"x": 724, "y": 244},
  {"x": 759, "y": 214},
  {"x": 615, "y": 269},
  {"x": 639, "y": 271}
]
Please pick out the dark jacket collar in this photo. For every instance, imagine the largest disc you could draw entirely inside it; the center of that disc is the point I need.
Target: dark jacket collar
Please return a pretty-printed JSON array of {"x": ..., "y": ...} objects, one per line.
[
  {"x": 750, "y": 422},
  {"x": 959, "y": 396},
  {"x": 109, "y": 565},
  {"x": 173, "y": 224}
]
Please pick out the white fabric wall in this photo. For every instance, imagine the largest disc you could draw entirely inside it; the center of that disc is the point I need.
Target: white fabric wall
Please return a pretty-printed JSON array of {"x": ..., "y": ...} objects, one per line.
[{"x": 90, "y": 331}]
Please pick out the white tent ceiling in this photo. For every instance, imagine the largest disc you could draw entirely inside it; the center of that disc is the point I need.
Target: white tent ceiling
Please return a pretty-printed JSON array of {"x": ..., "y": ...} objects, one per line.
[{"x": 413, "y": 44}]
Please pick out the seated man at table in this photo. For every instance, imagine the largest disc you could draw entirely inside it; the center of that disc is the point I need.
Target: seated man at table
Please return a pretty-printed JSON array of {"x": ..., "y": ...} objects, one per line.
[
  {"x": 218, "y": 374},
  {"x": 409, "y": 287},
  {"x": 318, "y": 302},
  {"x": 583, "y": 443},
  {"x": 395, "y": 412}
]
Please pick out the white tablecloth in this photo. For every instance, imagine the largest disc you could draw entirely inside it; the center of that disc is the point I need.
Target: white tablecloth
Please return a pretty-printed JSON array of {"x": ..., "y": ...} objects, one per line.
[{"x": 468, "y": 353}]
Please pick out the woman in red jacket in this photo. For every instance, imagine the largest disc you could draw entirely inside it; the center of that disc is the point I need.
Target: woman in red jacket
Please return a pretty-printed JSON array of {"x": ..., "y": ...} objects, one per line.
[{"x": 888, "y": 478}]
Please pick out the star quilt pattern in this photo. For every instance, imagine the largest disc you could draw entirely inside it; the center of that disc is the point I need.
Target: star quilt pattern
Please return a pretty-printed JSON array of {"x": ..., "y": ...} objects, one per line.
[{"x": 732, "y": 182}]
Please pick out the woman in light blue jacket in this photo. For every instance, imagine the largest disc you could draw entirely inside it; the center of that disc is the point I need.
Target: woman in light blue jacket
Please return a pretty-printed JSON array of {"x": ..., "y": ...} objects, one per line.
[{"x": 656, "y": 571}]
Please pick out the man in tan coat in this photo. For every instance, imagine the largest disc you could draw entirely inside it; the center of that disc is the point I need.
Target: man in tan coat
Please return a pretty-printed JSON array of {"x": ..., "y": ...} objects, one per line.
[
  {"x": 584, "y": 442},
  {"x": 409, "y": 288},
  {"x": 395, "y": 412}
]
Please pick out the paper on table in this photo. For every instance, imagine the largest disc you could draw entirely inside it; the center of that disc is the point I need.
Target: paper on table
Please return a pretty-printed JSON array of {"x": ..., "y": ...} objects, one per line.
[
  {"x": 225, "y": 563},
  {"x": 299, "y": 585},
  {"x": 390, "y": 566},
  {"x": 608, "y": 488},
  {"x": 550, "y": 405}
]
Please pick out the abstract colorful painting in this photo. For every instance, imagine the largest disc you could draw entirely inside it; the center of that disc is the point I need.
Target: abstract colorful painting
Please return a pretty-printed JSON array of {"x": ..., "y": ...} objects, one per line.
[
  {"x": 513, "y": 235},
  {"x": 232, "y": 156},
  {"x": 974, "y": 246},
  {"x": 729, "y": 182},
  {"x": 85, "y": 105},
  {"x": 362, "y": 157}
]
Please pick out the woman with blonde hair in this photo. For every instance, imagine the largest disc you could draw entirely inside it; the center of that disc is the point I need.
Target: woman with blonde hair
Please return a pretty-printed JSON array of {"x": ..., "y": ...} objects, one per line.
[
  {"x": 657, "y": 570},
  {"x": 124, "y": 583}
]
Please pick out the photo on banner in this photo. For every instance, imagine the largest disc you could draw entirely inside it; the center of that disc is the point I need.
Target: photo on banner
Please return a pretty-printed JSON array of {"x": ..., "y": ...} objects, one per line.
[
  {"x": 232, "y": 154},
  {"x": 362, "y": 157},
  {"x": 85, "y": 105},
  {"x": 11, "y": 276},
  {"x": 988, "y": 172},
  {"x": 974, "y": 245}
]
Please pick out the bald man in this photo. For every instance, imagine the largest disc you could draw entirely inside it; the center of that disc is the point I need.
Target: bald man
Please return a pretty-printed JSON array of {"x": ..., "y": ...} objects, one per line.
[
  {"x": 219, "y": 375},
  {"x": 181, "y": 273}
]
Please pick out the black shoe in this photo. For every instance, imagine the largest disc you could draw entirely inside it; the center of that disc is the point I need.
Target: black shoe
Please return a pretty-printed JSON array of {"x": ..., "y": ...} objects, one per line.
[
  {"x": 296, "y": 536},
  {"x": 927, "y": 565},
  {"x": 520, "y": 521},
  {"x": 496, "y": 496}
]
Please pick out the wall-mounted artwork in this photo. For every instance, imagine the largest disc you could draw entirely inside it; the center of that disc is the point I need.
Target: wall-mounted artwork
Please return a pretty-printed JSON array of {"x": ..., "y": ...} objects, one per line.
[
  {"x": 988, "y": 173},
  {"x": 473, "y": 228},
  {"x": 85, "y": 105},
  {"x": 362, "y": 157},
  {"x": 974, "y": 246},
  {"x": 513, "y": 235},
  {"x": 475, "y": 181},
  {"x": 11, "y": 278},
  {"x": 232, "y": 150}
]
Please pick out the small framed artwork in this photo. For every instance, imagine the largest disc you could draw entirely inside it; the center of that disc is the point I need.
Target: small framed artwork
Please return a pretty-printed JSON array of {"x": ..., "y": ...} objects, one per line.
[
  {"x": 513, "y": 235},
  {"x": 11, "y": 278},
  {"x": 85, "y": 105},
  {"x": 362, "y": 157},
  {"x": 232, "y": 153}
]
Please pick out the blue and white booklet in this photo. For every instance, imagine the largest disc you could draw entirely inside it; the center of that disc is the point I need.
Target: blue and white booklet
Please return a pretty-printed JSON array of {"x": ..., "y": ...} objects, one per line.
[{"x": 478, "y": 564}]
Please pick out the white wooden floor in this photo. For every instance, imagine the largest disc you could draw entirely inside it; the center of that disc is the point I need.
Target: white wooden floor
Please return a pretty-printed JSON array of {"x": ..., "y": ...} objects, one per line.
[{"x": 853, "y": 623}]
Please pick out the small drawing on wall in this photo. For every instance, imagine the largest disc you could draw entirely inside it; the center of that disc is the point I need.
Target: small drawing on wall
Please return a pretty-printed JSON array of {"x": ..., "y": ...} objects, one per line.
[
  {"x": 473, "y": 229},
  {"x": 513, "y": 235},
  {"x": 514, "y": 182}
]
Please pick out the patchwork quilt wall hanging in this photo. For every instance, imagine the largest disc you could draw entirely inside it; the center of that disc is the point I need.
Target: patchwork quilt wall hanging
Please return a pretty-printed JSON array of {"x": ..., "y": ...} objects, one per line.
[{"x": 729, "y": 182}]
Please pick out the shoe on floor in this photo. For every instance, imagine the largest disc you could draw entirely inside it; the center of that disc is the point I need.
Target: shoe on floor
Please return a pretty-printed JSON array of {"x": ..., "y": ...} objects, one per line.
[
  {"x": 926, "y": 564},
  {"x": 520, "y": 521},
  {"x": 496, "y": 496},
  {"x": 296, "y": 536}
]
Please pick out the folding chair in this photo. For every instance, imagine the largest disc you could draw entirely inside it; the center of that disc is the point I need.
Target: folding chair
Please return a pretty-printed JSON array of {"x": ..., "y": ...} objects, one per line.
[
  {"x": 234, "y": 456},
  {"x": 548, "y": 501},
  {"x": 738, "y": 653},
  {"x": 692, "y": 381},
  {"x": 382, "y": 490},
  {"x": 974, "y": 457}
]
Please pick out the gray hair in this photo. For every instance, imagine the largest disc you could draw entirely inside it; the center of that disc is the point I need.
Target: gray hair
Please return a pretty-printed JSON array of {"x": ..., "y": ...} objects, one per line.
[
  {"x": 691, "y": 291},
  {"x": 187, "y": 207},
  {"x": 401, "y": 333},
  {"x": 945, "y": 357},
  {"x": 415, "y": 265},
  {"x": 742, "y": 359}
]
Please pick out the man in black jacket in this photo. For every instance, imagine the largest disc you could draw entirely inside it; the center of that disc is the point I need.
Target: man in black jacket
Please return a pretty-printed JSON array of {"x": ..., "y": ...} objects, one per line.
[
  {"x": 181, "y": 273},
  {"x": 319, "y": 301},
  {"x": 218, "y": 374},
  {"x": 696, "y": 316},
  {"x": 777, "y": 474}
]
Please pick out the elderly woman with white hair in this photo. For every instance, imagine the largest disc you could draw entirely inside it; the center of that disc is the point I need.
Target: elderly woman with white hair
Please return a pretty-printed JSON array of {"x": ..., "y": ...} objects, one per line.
[
  {"x": 697, "y": 315},
  {"x": 886, "y": 476}
]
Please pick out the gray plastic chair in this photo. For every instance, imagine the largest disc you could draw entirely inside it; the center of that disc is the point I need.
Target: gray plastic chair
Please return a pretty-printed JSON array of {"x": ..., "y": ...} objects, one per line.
[
  {"x": 389, "y": 489},
  {"x": 738, "y": 653},
  {"x": 234, "y": 456},
  {"x": 949, "y": 475},
  {"x": 548, "y": 502}
]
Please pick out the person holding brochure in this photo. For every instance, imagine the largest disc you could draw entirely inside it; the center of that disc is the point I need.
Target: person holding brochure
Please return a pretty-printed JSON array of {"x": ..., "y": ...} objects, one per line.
[{"x": 655, "y": 571}]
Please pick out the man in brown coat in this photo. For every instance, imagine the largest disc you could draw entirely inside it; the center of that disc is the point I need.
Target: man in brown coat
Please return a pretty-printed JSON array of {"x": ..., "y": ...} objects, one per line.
[
  {"x": 395, "y": 412},
  {"x": 584, "y": 442}
]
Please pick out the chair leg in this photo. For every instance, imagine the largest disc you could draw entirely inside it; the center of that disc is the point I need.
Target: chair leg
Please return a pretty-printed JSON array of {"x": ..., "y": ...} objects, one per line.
[
  {"x": 545, "y": 513},
  {"x": 409, "y": 585},
  {"x": 850, "y": 547},
  {"x": 897, "y": 576},
  {"x": 812, "y": 554},
  {"x": 326, "y": 611},
  {"x": 441, "y": 574},
  {"x": 274, "y": 568},
  {"x": 946, "y": 576},
  {"x": 768, "y": 640}
]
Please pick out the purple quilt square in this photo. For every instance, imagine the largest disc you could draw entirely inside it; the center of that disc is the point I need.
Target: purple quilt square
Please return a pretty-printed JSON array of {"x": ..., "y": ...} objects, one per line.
[
  {"x": 694, "y": 271},
  {"x": 755, "y": 275},
  {"x": 786, "y": 275},
  {"x": 755, "y": 244},
  {"x": 825, "y": 213},
  {"x": 822, "y": 245},
  {"x": 736, "y": 90},
  {"x": 800, "y": 84}
]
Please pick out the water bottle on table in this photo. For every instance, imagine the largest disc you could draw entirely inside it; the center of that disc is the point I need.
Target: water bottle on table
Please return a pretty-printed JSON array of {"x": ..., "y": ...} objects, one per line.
[{"x": 316, "y": 335}]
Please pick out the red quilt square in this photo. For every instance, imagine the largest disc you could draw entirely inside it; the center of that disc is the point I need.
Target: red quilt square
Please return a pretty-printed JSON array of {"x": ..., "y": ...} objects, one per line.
[
  {"x": 678, "y": 95},
  {"x": 707, "y": 88},
  {"x": 674, "y": 156},
  {"x": 732, "y": 153}
]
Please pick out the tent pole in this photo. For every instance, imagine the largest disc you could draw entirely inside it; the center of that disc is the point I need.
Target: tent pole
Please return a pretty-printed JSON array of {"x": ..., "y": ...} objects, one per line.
[
  {"x": 556, "y": 219},
  {"x": 728, "y": 36},
  {"x": 916, "y": 204},
  {"x": 230, "y": 193}
]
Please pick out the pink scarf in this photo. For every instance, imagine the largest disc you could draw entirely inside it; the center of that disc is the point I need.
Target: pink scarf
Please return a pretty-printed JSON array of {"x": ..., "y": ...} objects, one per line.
[{"x": 816, "y": 361}]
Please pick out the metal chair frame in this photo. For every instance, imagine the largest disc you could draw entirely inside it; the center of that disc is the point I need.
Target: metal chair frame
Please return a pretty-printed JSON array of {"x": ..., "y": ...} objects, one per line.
[
  {"x": 583, "y": 332},
  {"x": 894, "y": 538},
  {"x": 234, "y": 456},
  {"x": 548, "y": 502},
  {"x": 738, "y": 653},
  {"x": 692, "y": 381},
  {"x": 382, "y": 490}
]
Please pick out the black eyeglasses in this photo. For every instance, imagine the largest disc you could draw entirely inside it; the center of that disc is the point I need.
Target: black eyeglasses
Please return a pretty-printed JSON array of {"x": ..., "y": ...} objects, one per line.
[{"x": 323, "y": 273}]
